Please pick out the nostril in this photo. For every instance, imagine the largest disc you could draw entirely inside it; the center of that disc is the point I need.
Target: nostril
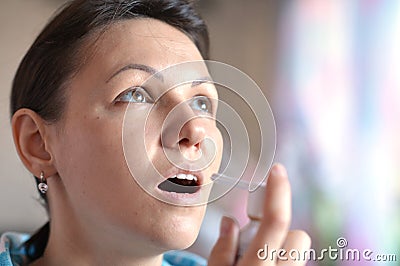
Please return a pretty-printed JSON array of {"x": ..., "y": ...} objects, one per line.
[
  {"x": 190, "y": 151},
  {"x": 185, "y": 142}
]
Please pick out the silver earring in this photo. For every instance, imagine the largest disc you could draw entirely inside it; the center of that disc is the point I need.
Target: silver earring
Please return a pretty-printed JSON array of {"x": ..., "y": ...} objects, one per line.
[{"x": 42, "y": 185}]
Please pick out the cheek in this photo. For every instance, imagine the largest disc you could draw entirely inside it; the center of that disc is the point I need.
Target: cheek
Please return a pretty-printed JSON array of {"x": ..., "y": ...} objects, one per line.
[
  {"x": 90, "y": 160},
  {"x": 140, "y": 146},
  {"x": 216, "y": 136},
  {"x": 90, "y": 143},
  {"x": 220, "y": 145}
]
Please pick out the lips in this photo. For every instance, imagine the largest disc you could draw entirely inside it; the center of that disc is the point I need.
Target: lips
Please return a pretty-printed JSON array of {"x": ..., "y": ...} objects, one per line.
[{"x": 181, "y": 183}]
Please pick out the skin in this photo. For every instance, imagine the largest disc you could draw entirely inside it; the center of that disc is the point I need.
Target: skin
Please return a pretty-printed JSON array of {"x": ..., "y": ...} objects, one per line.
[{"x": 82, "y": 156}]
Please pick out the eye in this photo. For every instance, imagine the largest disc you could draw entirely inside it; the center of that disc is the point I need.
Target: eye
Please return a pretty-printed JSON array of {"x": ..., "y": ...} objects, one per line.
[
  {"x": 202, "y": 104},
  {"x": 135, "y": 95}
]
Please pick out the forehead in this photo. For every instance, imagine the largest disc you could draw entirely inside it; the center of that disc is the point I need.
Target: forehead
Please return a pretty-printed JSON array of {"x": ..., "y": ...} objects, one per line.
[{"x": 148, "y": 41}]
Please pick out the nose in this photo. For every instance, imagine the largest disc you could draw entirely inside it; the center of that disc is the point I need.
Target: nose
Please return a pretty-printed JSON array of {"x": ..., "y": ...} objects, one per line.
[
  {"x": 183, "y": 129},
  {"x": 192, "y": 134}
]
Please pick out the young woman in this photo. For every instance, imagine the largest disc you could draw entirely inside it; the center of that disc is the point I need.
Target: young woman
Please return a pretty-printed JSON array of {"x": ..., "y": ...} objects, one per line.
[{"x": 68, "y": 104}]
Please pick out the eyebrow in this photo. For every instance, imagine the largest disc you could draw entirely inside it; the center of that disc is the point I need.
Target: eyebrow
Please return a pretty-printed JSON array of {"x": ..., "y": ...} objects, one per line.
[
  {"x": 145, "y": 68},
  {"x": 200, "y": 81}
]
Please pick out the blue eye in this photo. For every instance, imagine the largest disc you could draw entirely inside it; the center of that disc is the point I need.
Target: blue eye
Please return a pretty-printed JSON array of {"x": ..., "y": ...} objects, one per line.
[
  {"x": 202, "y": 104},
  {"x": 135, "y": 95}
]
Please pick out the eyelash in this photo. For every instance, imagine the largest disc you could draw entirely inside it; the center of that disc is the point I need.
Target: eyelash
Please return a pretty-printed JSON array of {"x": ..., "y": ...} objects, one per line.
[{"x": 146, "y": 97}]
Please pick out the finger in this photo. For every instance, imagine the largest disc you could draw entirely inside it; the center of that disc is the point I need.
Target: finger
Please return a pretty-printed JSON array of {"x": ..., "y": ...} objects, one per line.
[
  {"x": 224, "y": 251},
  {"x": 277, "y": 214},
  {"x": 296, "y": 244}
]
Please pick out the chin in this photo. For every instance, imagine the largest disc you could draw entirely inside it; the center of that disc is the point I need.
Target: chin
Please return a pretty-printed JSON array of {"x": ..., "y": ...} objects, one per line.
[
  {"x": 181, "y": 234},
  {"x": 181, "y": 241}
]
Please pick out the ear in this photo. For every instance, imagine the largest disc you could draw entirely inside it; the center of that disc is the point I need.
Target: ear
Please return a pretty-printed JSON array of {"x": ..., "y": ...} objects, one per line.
[{"x": 30, "y": 134}]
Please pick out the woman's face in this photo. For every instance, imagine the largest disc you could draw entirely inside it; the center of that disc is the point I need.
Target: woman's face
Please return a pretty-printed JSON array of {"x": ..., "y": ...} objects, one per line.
[{"x": 113, "y": 129}]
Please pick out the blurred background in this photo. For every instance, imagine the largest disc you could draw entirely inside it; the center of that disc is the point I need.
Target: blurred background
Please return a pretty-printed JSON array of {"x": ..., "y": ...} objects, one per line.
[{"x": 330, "y": 70}]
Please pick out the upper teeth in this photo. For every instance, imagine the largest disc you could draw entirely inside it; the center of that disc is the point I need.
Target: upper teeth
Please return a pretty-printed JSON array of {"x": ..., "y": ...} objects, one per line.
[{"x": 188, "y": 177}]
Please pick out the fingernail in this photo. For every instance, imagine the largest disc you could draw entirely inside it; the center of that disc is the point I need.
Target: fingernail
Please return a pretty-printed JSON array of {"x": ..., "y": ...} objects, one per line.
[
  {"x": 278, "y": 170},
  {"x": 225, "y": 226}
]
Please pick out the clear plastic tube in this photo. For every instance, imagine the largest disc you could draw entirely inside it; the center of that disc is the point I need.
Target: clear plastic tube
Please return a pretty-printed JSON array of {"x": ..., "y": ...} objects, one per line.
[{"x": 230, "y": 181}]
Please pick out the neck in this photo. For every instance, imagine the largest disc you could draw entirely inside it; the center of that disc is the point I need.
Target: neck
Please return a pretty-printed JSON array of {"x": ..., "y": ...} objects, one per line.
[
  {"x": 53, "y": 256},
  {"x": 72, "y": 242}
]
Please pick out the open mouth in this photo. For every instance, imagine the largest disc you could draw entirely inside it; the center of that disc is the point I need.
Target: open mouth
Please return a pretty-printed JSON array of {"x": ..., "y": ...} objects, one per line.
[{"x": 181, "y": 183}]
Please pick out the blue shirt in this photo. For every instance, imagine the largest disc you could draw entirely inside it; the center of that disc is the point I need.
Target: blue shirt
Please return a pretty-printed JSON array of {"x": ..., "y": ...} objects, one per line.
[{"x": 11, "y": 253}]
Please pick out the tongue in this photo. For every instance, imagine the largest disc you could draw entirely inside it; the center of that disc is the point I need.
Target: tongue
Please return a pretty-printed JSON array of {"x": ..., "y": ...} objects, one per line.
[{"x": 178, "y": 186}]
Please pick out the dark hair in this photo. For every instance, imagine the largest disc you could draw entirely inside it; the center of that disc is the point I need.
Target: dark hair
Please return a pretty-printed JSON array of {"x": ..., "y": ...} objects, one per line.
[{"x": 53, "y": 58}]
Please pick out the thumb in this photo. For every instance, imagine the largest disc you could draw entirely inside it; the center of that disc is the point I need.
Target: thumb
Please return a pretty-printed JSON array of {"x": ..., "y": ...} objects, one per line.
[{"x": 224, "y": 251}]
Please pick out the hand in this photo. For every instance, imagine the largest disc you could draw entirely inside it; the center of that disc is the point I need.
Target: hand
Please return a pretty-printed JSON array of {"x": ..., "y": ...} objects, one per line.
[{"x": 273, "y": 231}]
